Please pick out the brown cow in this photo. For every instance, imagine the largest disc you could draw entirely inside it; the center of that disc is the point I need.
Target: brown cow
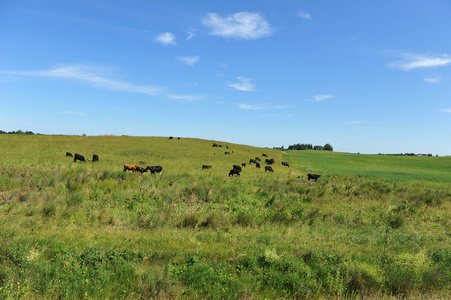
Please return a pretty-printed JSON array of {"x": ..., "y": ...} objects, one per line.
[{"x": 132, "y": 168}]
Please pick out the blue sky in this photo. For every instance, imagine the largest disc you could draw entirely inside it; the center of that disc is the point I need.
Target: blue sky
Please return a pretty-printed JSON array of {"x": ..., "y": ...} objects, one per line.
[{"x": 364, "y": 76}]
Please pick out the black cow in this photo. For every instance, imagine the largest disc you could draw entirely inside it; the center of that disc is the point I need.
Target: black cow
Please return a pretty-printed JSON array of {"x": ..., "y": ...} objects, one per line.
[
  {"x": 284, "y": 163},
  {"x": 258, "y": 158},
  {"x": 79, "y": 157},
  {"x": 95, "y": 157},
  {"x": 154, "y": 169},
  {"x": 234, "y": 172},
  {"x": 171, "y": 137},
  {"x": 252, "y": 161},
  {"x": 243, "y": 164},
  {"x": 69, "y": 154},
  {"x": 226, "y": 152},
  {"x": 268, "y": 168},
  {"x": 206, "y": 167},
  {"x": 264, "y": 155},
  {"x": 237, "y": 167},
  {"x": 257, "y": 165},
  {"x": 269, "y": 161},
  {"x": 313, "y": 176},
  {"x": 215, "y": 145}
]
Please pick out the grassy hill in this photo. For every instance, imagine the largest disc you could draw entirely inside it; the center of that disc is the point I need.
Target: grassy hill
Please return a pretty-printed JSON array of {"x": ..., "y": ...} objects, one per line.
[{"x": 372, "y": 226}]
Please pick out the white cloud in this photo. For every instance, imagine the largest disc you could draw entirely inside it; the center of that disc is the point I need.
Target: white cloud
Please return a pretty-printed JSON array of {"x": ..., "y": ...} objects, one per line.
[
  {"x": 318, "y": 98},
  {"x": 447, "y": 110},
  {"x": 249, "y": 107},
  {"x": 433, "y": 79},
  {"x": 88, "y": 75},
  {"x": 304, "y": 15},
  {"x": 183, "y": 97},
  {"x": 191, "y": 33},
  {"x": 188, "y": 60},
  {"x": 243, "y": 84},
  {"x": 166, "y": 38},
  {"x": 414, "y": 61},
  {"x": 241, "y": 25}
]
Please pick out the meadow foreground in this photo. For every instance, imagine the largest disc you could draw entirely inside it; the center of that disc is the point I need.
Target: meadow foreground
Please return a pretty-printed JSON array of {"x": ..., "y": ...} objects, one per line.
[{"x": 369, "y": 227}]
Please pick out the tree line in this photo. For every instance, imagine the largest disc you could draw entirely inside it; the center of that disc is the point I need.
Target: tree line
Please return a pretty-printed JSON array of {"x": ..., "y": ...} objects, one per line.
[
  {"x": 17, "y": 132},
  {"x": 299, "y": 146}
]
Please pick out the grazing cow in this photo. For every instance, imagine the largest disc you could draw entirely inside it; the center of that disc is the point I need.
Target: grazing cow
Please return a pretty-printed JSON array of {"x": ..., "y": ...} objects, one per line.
[
  {"x": 142, "y": 162},
  {"x": 269, "y": 161},
  {"x": 268, "y": 168},
  {"x": 313, "y": 176},
  {"x": 95, "y": 157},
  {"x": 264, "y": 155},
  {"x": 252, "y": 161},
  {"x": 79, "y": 157},
  {"x": 69, "y": 154},
  {"x": 243, "y": 164},
  {"x": 234, "y": 172},
  {"x": 132, "y": 168},
  {"x": 284, "y": 163},
  {"x": 237, "y": 167},
  {"x": 257, "y": 165},
  {"x": 220, "y": 146},
  {"x": 154, "y": 169},
  {"x": 215, "y": 145},
  {"x": 226, "y": 152},
  {"x": 206, "y": 167},
  {"x": 170, "y": 137},
  {"x": 258, "y": 158},
  {"x": 178, "y": 138}
]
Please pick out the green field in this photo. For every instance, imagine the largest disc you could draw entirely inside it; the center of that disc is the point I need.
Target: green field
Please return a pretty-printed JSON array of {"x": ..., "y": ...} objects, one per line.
[
  {"x": 413, "y": 169},
  {"x": 372, "y": 226}
]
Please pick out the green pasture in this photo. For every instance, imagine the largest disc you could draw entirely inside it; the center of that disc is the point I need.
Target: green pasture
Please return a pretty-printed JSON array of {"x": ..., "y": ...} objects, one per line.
[
  {"x": 371, "y": 227},
  {"x": 401, "y": 168}
]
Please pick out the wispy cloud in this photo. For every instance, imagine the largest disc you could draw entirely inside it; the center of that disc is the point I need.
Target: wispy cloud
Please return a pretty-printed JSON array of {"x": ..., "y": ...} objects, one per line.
[
  {"x": 353, "y": 122},
  {"x": 433, "y": 79},
  {"x": 188, "y": 98},
  {"x": 244, "y": 84},
  {"x": 446, "y": 110},
  {"x": 241, "y": 25},
  {"x": 304, "y": 15},
  {"x": 188, "y": 60},
  {"x": 414, "y": 61},
  {"x": 191, "y": 33},
  {"x": 318, "y": 98},
  {"x": 7, "y": 78},
  {"x": 89, "y": 75},
  {"x": 165, "y": 38},
  {"x": 249, "y": 107}
]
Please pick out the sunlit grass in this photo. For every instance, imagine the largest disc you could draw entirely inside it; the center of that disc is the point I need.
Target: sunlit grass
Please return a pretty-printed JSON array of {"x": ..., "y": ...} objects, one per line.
[{"x": 361, "y": 230}]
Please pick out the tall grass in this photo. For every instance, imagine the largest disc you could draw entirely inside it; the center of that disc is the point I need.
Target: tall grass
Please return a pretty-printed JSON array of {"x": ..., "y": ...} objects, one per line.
[{"x": 90, "y": 230}]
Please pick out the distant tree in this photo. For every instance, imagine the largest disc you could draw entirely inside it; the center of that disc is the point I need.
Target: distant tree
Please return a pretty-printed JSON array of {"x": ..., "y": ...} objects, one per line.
[
  {"x": 328, "y": 147},
  {"x": 318, "y": 147}
]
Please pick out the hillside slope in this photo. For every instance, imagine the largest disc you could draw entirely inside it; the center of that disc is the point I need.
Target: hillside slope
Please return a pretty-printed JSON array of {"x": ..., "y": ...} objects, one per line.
[{"x": 90, "y": 230}]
